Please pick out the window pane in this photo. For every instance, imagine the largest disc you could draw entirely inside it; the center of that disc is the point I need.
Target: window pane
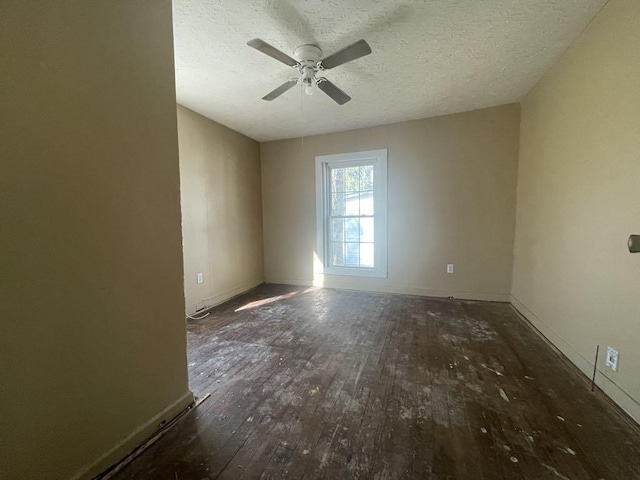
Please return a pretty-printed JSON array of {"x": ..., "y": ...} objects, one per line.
[
  {"x": 336, "y": 233},
  {"x": 351, "y": 179},
  {"x": 366, "y": 255},
  {"x": 352, "y": 204},
  {"x": 337, "y": 180},
  {"x": 337, "y": 204},
  {"x": 366, "y": 203},
  {"x": 366, "y": 230},
  {"x": 352, "y": 257},
  {"x": 336, "y": 254},
  {"x": 366, "y": 177},
  {"x": 351, "y": 229}
]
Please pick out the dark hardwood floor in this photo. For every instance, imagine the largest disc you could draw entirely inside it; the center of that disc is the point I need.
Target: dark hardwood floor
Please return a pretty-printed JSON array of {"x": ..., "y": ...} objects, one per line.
[{"x": 320, "y": 383}]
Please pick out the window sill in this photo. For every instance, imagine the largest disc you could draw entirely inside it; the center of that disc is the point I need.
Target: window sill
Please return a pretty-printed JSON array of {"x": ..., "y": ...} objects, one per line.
[{"x": 354, "y": 272}]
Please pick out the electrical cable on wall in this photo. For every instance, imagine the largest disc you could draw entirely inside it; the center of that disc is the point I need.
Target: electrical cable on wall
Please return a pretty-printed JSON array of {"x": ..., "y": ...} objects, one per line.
[{"x": 197, "y": 318}]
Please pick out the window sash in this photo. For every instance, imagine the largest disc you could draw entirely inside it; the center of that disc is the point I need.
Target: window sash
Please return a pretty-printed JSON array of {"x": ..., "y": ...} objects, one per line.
[{"x": 324, "y": 167}]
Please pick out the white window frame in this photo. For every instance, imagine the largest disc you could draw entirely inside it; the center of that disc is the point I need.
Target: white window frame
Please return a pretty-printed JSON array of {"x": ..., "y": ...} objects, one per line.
[{"x": 377, "y": 158}]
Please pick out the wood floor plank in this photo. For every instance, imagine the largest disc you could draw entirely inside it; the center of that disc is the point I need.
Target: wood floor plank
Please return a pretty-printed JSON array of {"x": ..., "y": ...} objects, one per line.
[{"x": 321, "y": 383}]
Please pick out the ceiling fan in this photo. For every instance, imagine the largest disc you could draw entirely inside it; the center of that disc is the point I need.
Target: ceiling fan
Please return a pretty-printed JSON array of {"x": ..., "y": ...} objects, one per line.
[{"x": 308, "y": 63}]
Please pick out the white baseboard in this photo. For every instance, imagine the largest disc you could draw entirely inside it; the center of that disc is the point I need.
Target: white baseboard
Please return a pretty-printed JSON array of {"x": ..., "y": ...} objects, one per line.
[
  {"x": 616, "y": 393},
  {"x": 290, "y": 281},
  {"x": 135, "y": 438},
  {"x": 222, "y": 297},
  {"x": 371, "y": 287}
]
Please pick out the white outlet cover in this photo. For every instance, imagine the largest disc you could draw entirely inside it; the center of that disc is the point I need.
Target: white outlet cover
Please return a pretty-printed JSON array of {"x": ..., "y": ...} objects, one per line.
[
  {"x": 612, "y": 359},
  {"x": 449, "y": 267},
  {"x": 199, "y": 278}
]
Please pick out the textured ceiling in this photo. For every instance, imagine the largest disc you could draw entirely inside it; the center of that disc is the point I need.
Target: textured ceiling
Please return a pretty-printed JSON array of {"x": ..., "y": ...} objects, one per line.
[{"x": 430, "y": 57}]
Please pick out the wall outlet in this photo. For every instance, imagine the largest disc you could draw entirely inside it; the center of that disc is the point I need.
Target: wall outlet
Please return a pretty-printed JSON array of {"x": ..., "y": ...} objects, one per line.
[
  {"x": 612, "y": 359},
  {"x": 199, "y": 278},
  {"x": 449, "y": 267}
]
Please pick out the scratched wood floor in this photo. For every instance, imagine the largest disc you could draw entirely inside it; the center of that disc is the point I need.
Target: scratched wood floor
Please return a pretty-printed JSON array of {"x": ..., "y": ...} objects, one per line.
[{"x": 320, "y": 383}]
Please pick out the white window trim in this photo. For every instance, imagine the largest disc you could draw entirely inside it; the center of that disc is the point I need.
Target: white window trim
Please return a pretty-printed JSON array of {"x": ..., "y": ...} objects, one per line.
[{"x": 379, "y": 160}]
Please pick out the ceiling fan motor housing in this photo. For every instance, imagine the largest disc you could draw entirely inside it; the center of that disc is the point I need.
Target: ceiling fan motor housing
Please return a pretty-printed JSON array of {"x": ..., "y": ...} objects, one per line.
[{"x": 308, "y": 54}]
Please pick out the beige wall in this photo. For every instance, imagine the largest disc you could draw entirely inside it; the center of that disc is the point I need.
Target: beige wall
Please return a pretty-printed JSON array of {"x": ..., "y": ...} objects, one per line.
[
  {"x": 221, "y": 210},
  {"x": 579, "y": 199},
  {"x": 92, "y": 349},
  {"x": 451, "y": 199}
]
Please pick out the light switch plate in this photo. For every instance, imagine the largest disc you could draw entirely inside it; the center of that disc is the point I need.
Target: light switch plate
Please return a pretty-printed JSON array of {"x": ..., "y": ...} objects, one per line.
[{"x": 199, "y": 277}]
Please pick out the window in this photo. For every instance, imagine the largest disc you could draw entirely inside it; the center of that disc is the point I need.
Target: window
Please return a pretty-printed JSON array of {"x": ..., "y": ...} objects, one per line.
[{"x": 351, "y": 191}]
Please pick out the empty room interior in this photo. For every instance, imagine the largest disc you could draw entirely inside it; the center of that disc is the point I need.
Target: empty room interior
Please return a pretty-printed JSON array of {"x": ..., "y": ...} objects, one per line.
[{"x": 383, "y": 239}]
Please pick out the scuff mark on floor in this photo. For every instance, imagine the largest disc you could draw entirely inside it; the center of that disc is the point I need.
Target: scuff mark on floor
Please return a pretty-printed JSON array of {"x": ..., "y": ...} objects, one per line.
[
  {"x": 555, "y": 472},
  {"x": 504, "y": 395},
  {"x": 492, "y": 370}
]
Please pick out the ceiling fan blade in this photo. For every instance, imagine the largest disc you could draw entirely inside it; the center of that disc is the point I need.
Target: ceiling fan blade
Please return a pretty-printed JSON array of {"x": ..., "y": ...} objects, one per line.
[
  {"x": 280, "y": 90},
  {"x": 272, "y": 51},
  {"x": 347, "y": 54},
  {"x": 334, "y": 92}
]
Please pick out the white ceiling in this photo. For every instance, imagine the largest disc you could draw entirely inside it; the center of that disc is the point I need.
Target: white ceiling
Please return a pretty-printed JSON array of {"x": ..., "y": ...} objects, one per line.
[{"x": 430, "y": 57}]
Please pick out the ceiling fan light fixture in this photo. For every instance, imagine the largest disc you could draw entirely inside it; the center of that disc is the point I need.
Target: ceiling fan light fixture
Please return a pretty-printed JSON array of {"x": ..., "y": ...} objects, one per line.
[{"x": 307, "y": 84}]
